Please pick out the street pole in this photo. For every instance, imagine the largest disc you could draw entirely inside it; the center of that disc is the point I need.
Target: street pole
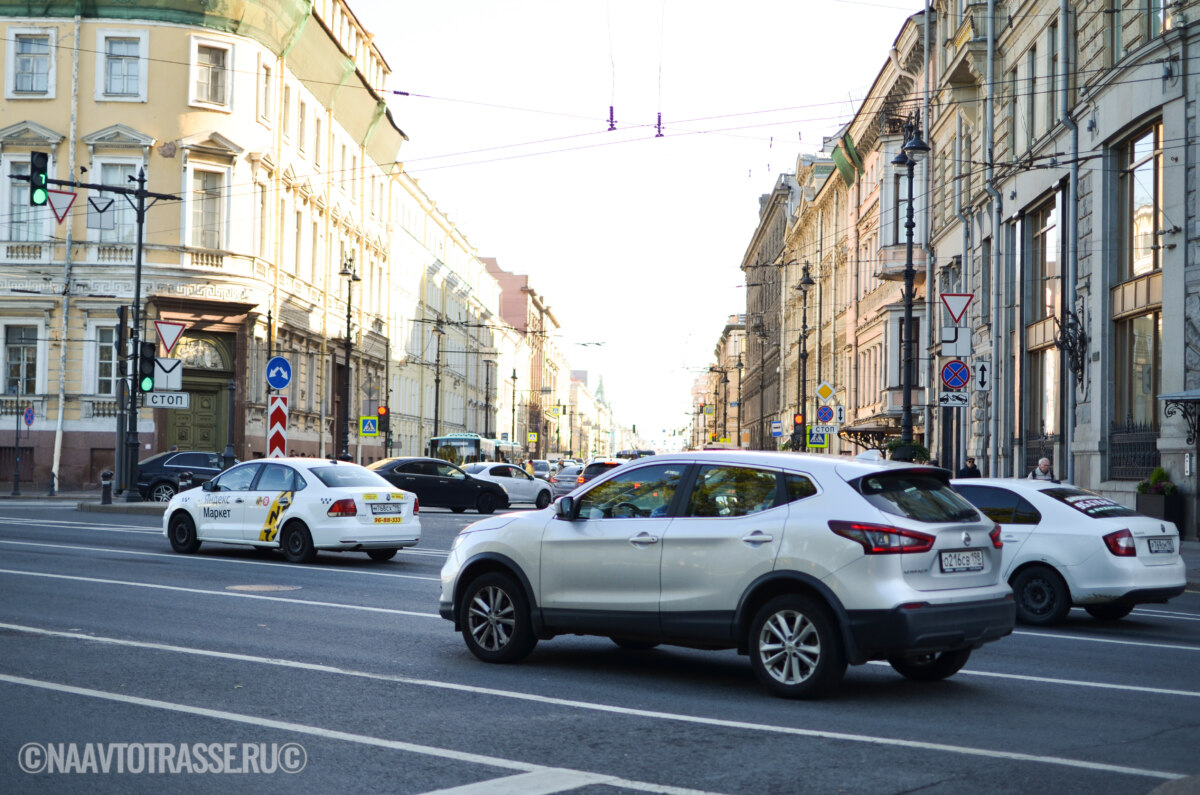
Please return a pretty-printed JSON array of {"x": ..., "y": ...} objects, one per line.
[
  {"x": 487, "y": 398},
  {"x": 514, "y": 407},
  {"x": 135, "y": 335},
  {"x": 230, "y": 455},
  {"x": 351, "y": 277},
  {"x": 437, "y": 381},
  {"x": 739, "y": 400},
  {"x": 804, "y": 286},
  {"x": 906, "y": 161},
  {"x": 725, "y": 405}
]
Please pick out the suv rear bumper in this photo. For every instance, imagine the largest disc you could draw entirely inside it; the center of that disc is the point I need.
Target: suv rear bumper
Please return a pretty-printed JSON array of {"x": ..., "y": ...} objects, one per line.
[{"x": 877, "y": 634}]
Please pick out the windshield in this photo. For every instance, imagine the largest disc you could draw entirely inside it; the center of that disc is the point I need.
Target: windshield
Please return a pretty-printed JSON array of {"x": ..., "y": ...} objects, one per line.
[
  {"x": 915, "y": 495},
  {"x": 1089, "y": 503},
  {"x": 350, "y": 475}
]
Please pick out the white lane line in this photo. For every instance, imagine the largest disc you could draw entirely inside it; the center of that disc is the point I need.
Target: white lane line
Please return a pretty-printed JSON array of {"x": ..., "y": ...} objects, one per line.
[
  {"x": 1142, "y": 643},
  {"x": 540, "y": 782},
  {"x": 906, "y": 744},
  {"x": 333, "y": 734},
  {"x": 1046, "y": 680},
  {"x": 65, "y": 525},
  {"x": 232, "y": 594},
  {"x": 182, "y": 558}
]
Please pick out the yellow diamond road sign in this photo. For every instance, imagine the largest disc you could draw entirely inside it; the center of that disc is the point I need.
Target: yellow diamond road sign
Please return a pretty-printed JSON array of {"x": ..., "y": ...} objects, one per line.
[{"x": 825, "y": 391}]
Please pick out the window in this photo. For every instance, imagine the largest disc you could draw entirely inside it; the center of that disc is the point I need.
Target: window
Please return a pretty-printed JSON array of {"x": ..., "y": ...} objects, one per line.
[
  {"x": 1031, "y": 85},
  {"x": 1140, "y": 203},
  {"x": 25, "y": 222},
  {"x": 20, "y": 360},
  {"x": 207, "y": 201},
  {"x": 1157, "y": 19},
  {"x": 122, "y": 214},
  {"x": 122, "y": 67},
  {"x": 286, "y": 111},
  {"x": 106, "y": 360},
  {"x": 301, "y": 126},
  {"x": 634, "y": 494},
  {"x": 1116, "y": 44},
  {"x": 1043, "y": 375},
  {"x": 237, "y": 479},
  {"x": 732, "y": 491},
  {"x": 276, "y": 477},
  {"x": 210, "y": 73},
  {"x": 1045, "y": 278},
  {"x": 317, "y": 141},
  {"x": 265, "y": 93},
  {"x": 1089, "y": 503},
  {"x": 924, "y": 498},
  {"x": 1138, "y": 371},
  {"x": 261, "y": 216},
  {"x": 799, "y": 487},
  {"x": 900, "y": 209},
  {"x": 1051, "y": 74},
  {"x": 1013, "y": 127},
  {"x": 30, "y": 64}
]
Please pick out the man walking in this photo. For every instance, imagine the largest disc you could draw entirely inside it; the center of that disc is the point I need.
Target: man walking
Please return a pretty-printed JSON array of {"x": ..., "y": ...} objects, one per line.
[
  {"x": 1042, "y": 471},
  {"x": 969, "y": 469}
]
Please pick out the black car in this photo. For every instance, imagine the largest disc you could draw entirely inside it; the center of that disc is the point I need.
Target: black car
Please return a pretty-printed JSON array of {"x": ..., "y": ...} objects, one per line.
[
  {"x": 440, "y": 484},
  {"x": 158, "y": 475}
]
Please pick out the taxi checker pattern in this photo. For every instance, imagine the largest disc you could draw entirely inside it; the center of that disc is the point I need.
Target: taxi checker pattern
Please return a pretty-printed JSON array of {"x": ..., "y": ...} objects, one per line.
[{"x": 299, "y": 506}]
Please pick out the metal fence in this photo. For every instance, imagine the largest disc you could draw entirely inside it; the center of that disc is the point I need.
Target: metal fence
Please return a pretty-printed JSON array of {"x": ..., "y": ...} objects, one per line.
[{"x": 1132, "y": 451}]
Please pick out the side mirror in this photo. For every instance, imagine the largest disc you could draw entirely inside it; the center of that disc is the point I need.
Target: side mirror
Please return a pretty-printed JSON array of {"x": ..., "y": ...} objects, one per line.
[
  {"x": 208, "y": 485},
  {"x": 565, "y": 508}
]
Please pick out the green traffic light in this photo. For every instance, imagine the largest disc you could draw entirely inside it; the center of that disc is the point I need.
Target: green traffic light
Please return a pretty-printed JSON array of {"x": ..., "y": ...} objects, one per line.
[
  {"x": 40, "y": 196},
  {"x": 147, "y": 384}
]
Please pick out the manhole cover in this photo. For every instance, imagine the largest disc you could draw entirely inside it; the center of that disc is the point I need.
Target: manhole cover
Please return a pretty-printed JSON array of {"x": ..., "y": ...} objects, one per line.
[{"x": 262, "y": 588}]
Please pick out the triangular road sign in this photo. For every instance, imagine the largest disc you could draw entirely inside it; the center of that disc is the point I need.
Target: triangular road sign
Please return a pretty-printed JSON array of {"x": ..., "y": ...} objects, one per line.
[
  {"x": 169, "y": 333},
  {"x": 60, "y": 202},
  {"x": 956, "y": 304}
]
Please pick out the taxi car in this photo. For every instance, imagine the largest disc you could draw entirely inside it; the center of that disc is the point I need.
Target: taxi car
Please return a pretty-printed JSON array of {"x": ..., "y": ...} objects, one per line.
[
  {"x": 1066, "y": 546},
  {"x": 299, "y": 506},
  {"x": 805, "y": 563}
]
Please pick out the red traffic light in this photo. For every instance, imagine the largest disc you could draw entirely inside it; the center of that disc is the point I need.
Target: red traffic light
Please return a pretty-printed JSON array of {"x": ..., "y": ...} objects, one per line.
[
  {"x": 798, "y": 419},
  {"x": 383, "y": 410}
]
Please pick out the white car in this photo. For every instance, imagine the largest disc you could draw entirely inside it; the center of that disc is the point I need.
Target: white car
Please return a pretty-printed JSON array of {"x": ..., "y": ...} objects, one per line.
[
  {"x": 520, "y": 485},
  {"x": 807, "y": 563},
  {"x": 1066, "y": 546},
  {"x": 298, "y": 505}
]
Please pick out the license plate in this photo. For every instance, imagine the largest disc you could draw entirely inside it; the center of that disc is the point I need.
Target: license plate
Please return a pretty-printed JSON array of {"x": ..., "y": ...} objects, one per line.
[
  {"x": 1162, "y": 545},
  {"x": 386, "y": 507},
  {"x": 970, "y": 560}
]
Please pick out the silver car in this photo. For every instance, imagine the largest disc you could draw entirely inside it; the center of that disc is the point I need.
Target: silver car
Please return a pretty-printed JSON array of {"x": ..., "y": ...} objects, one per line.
[
  {"x": 806, "y": 563},
  {"x": 565, "y": 480}
]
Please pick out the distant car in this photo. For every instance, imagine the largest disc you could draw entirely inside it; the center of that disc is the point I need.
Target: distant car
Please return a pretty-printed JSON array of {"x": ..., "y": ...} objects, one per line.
[
  {"x": 806, "y": 563},
  {"x": 630, "y": 455},
  {"x": 520, "y": 485},
  {"x": 565, "y": 480},
  {"x": 298, "y": 505},
  {"x": 542, "y": 469},
  {"x": 440, "y": 484},
  {"x": 158, "y": 476},
  {"x": 596, "y": 467},
  {"x": 1066, "y": 546}
]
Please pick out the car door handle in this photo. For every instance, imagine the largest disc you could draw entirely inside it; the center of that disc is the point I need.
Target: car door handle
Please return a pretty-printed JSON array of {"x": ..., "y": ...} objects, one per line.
[
  {"x": 239, "y": 500},
  {"x": 643, "y": 538},
  {"x": 284, "y": 502},
  {"x": 758, "y": 537}
]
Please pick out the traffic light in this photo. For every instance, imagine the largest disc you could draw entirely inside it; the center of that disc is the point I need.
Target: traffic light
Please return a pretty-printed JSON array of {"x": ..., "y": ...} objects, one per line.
[
  {"x": 382, "y": 413},
  {"x": 39, "y": 186},
  {"x": 120, "y": 354},
  {"x": 798, "y": 419},
  {"x": 145, "y": 367}
]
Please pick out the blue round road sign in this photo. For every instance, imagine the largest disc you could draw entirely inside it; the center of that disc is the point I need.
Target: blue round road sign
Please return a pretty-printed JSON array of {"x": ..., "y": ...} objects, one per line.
[
  {"x": 956, "y": 374},
  {"x": 279, "y": 373},
  {"x": 825, "y": 414}
]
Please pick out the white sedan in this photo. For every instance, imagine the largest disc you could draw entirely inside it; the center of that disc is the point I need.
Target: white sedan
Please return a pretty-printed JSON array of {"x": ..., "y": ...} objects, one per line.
[
  {"x": 296, "y": 505},
  {"x": 1065, "y": 546},
  {"x": 520, "y": 485}
]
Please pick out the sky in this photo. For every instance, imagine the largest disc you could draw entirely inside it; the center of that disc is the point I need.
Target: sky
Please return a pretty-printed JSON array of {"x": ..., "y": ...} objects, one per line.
[{"x": 633, "y": 239}]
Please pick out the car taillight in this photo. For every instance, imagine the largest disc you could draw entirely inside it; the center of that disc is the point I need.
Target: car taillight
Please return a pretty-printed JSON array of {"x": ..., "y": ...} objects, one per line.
[
  {"x": 416, "y": 505},
  {"x": 1121, "y": 544},
  {"x": 878, "y": 539},
  {"x": 995, "y": 536},
  {"x": 344, "y": 507},
  {"x": 580, "y": 479}
]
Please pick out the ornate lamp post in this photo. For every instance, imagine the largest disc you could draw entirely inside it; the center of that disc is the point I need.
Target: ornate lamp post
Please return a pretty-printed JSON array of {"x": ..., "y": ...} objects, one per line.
[
  {"x": 437, "y": 380},
  {"x": 911, "y": 152},
  {"x": 351, "y": 277},
  {"x": 514, "y": 407},
  {"x": 739, "y": 401},
  {"x": 806, "y": 284}
]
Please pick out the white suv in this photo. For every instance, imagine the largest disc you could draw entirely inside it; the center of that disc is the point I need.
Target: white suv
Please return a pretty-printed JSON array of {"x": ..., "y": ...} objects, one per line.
[{"x": 807, "y": 563}]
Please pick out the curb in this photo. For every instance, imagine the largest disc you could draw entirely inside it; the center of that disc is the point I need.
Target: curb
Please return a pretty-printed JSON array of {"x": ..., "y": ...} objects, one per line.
[{"x": 133, "y": 508}]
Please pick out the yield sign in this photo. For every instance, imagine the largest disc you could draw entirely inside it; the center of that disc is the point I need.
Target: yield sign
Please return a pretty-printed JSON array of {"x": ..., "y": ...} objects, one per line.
[
  {"x": 277, "y": 423},
  {"x": 169, "y": 333},
  {"x": 60, "y": 202},
  {"x": 957, "y": 304}
]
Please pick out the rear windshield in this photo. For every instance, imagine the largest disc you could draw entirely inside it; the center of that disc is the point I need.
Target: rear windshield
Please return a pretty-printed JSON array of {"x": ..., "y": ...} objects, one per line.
[
  {"x": 595, "y": 469},
  {"x": 1089, "y": 503},
  {"x": 475, "y": 469},
  {"x": 916, "y": 496},
  {"x": 350, "y": 475}
]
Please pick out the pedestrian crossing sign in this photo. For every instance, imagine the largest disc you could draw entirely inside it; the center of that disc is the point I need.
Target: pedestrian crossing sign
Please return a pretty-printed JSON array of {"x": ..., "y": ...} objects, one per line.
[
  {"x": 817, "y": 439},
  {"x": 368, "y": 426}
]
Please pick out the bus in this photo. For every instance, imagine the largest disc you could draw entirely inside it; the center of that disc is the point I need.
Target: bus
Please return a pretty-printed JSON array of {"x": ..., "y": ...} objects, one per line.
[{"x": 471, "y": 448}]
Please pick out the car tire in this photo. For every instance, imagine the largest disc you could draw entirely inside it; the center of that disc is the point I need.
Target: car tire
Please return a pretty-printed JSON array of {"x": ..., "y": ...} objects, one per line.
[
  {"x": 486, "y": 503},
  {"x": 458, "y": 510},
  {"x": 495, "y": 621},
  {"x": 381, "y": 554},
  {"x": 1041, "y": 595},
  {"x": 631, "y": 644},
  {"x": 1110, "y": 611},
  {"x": 162, "y": 491},
  {"x": 932, "y": 667},
  {"x": 182, "y": 533},
  {"x": 543, "y": 499},
  {"x": 297, "y": 544},
  {"x": 794, "y": 650}
]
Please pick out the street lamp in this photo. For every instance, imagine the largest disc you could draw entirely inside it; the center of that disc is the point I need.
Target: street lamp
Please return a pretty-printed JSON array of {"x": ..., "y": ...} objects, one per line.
[
  {"x": 739, "y": 401},
  {"x": 487, "y": 398},
  {"x": 514, "y": 407},
  {"x": 905, "y": 162},
  {"x": 760, "y": 333},
  {"x": 725, "y": 405},
  {"x": 437, "y": 380},
  {"x": 800, "y": 434},
  {"x": 351, "y": 277}
]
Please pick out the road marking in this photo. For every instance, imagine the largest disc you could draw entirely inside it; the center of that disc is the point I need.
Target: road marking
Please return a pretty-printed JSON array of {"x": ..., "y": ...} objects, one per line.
[
  {"x": 1045, "y": 680},
  {"x": 1142, "y": 643},
  {"x": 907, "y": 744},
  {"x": 177, "y": 588},
  {"x": 64, "y": 524},
  {"x": 580, "y": 776},
  {"x": 539, "y": 782},
  {"x": 177, "y": 556}
]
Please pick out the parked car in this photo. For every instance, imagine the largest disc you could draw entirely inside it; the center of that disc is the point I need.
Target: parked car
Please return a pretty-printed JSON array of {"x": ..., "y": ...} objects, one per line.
[
  {"x": 597, "y": 467},
  {"x": 805, "y": 562},
  {"x": 565, "y": 481},
  {"x": 520, "y": 485},
  {"x": 298, "y": 505},
  {"x": 158, "y": 476},
  {"x": 1066, "y": 546},
  {"x": 541, "y": 469},
  {"x": 440, "y": 484}
]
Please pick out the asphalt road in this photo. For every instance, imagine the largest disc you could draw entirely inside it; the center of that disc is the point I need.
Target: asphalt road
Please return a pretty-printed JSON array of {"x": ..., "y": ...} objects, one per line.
[{"x": 344, "y": 669}]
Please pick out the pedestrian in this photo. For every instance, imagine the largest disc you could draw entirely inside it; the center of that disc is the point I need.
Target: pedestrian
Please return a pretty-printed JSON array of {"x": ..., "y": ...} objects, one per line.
[
  {"x": 528, "y": 466},
  {"x": 1042, "y": 471},
  {"x": 933, "y": 462},
  {"x": 969, "y": 469}
]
